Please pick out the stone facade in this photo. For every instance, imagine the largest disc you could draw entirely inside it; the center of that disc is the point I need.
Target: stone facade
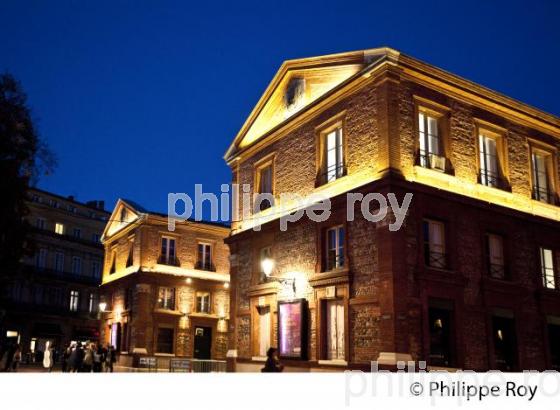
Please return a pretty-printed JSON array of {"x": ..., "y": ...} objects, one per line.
[
  {"x": 387, "y": 289},
  {"x": 137, "y": 275}
]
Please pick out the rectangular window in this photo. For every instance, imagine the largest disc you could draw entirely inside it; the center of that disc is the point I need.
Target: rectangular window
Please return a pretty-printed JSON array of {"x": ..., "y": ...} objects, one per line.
[
  {"x": 489, "y": 161},
  {"x": 203, "y": 302},
  {"x": 77, "y": 232},
  {"x": 74, "y": 300},
  {"x": 264, "y": 330},
  {"x": 265, "y": 186},
  {"x": 495, "y": 249},
  {"x": 166, "y": 298},
  {"x": 505, "y": 344},
  {"x": 204, "y": 257},
  {"x": 441, "y": 333},
  {"x": 130, "y": 258},
  {"x": 430, "y": 142},
  {"x": 76, "y": 265},
  {"x": 334, "y": 248},
  {"x": 113, "y": 267},
  {"x": 95, "y": 268},
  {"x": 554, "y": 345},
  {"x": 165, "y": 338},
  {"x": 542, "y": 187},
  {"x": 335, "y": 330},
  {"x": 434, "y": 244},
  {"x": 547, "y": 268},
  {"x": 42, "y": 258},
  {"x": 59, "y": 228},
  {"x": 167, "y": 251},
  {"x": 91, "y": 305},
  {"x": 59, "y": 261},
  {"x": 333, "y": 166},
  {"x": 40, "y": 223},
  {"x": 95, "y": 238}
]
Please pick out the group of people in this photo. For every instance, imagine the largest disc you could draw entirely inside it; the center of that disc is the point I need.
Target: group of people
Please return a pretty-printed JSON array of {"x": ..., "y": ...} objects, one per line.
[{"x": 87, "y": 358}]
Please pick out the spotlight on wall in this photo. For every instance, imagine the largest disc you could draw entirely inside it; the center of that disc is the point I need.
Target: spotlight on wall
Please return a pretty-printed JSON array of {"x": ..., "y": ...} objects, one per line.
[
  {"x": 267, "y": 266},
  {"x": 189, "y": 281}
]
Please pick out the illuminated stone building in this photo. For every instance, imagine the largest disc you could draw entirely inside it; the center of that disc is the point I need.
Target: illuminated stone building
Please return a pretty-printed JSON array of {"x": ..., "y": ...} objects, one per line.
[
  {"x": 54, "y": 296},
  {"x": 469, "y": 281},
  {"x": 164, "y": 293}
]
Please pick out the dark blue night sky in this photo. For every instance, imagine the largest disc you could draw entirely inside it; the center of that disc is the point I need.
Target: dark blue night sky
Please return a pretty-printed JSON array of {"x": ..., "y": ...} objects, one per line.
[{"x": 138, "y": 99}]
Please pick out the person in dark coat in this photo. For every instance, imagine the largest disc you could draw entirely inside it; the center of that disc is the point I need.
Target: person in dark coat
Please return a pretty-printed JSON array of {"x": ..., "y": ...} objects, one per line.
[
  {"x": 76, "y": 358},
  {"x": 65, "y": 359},
  {"x": 272, "y": 364}
]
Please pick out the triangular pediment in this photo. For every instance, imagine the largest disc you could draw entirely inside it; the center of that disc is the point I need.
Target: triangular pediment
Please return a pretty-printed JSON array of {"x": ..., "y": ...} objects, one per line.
[
  {"x": 124, "y": 214},
  {"x": 296, "y": 85}
]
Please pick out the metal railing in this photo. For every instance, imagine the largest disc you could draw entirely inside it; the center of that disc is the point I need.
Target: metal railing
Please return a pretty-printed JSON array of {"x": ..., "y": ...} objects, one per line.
[
  {"x": 432, "y": 160},
  {"x": 544, "y": 195},
  {"x": 331, "y": 173},
  {"x": 334, "y": 261},
  {"x": 208, "y": 366},
  {"x": 435, "y": 259},
  {"x": 171, "y": 261},
  {"x": 492, "y": 179},
  {"x": 497, "y": 271},
  {"x": 201, "y": 265}
]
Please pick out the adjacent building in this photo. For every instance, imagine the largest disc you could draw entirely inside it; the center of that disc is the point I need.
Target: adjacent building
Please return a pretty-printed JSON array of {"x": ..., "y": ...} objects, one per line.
[
  {"x": 54, "y": 294},
  {"x": 470, "y": 280},
  {"x": 165, "y": 293}
]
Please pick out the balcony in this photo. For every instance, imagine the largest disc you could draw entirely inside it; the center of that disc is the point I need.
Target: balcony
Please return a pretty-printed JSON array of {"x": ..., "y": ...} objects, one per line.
[
  {"x": 201, "y": 265},
  {"x": 492, "y": 180},
  {"x": 330, "y": 174},
  {"x": 432, "y": 161},
  {"x": 169, "y": 261},
  {"x": 544, "y": 195}
]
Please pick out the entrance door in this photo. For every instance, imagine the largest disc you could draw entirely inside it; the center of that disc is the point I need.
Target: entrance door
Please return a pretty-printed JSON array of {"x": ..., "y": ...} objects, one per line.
[
  {"x": 335, "y": 330},
  {"x": 264, "y": 330},
  {"x": 202, "y": 342}
]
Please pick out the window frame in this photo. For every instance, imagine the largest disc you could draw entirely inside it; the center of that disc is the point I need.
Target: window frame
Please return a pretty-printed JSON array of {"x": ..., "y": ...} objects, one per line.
[
  {"x": 427, "y": 244},
  {"x": 490, "y": 270},
  {"x": 334, "y": 124},
  {"x": 264, "y": 163},
  {"x": 441, "y": 114},
  {"x": 162, "y": 303},
  {"x": 338, "y": 255},
  {"x": 551, "y": 165},
  {"x": 76, "y": 263},
  {"x": 201, "y": 264},
  {"x": 165, "y": 259},
  {"x": 203, "y": 294},
  {"x": 74, "y": 300},
  {"x": 59, "y": 228},
  {"x": 173, "y": 338},
  {"x": 498, "y": 134},
  {"x": 544, "y": 280}
]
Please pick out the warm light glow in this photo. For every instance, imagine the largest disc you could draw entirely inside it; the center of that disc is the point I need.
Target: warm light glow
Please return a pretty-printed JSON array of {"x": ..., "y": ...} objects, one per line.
[
  {"x": 102, "y": 306},
  {"x": 189, "y": 281},
  {"x": 267, "y": 266},
  {"x": 226, "y": 285}
]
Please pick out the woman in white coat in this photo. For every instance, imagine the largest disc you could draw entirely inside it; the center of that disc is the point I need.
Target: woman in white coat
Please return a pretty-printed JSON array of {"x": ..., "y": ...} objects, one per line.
[{"x": 48, "y": 358}]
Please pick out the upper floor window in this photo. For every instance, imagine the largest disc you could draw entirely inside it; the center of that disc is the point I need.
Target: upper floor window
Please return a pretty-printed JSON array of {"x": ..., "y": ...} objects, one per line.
[
  {"x": 495, "y": 250},
  {"x": 91, "y": 304},
  {"x": 42, "y": 258},
  {"x": 130, "y": 258},
  {"x": 113, "y": 267},
  {"x": 332, "y": 167},
  {"x": 204, "y": 261},
  {"x": 542, "y": 166},
  {"x": 76, "y": 265},
  {"x": 96, "y": 238},
  {"x": 95, "y": 268},
  {"x": 489, "y": 151},
  {"x": 430, "y": 141},
  {"x": 77, "y": 233},
  {"x": 334, "y": 248},
  {"x": 123, "y": 214},
  {"x": 40, "y": 223},
  {"x": 36, "y": 198},
  {"x": 203, "y": 302},
  {"x": 166, "y": 298},
  {"x": 167, "y": 251},
  {"x": 434, "y": 244},
  {"x": 59, "y": 228},
  {"x": 59, "y": 261},
  {"x": 548, "y": 269},
  {"x": 74, "y": 300},
  {"x": 264, "y": 183}
]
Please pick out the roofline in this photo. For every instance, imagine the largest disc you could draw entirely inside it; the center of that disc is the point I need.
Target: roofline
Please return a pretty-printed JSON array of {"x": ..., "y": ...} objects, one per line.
[
  {"x": 65, "y": 198},
  {"x": 487, "y": 96}
]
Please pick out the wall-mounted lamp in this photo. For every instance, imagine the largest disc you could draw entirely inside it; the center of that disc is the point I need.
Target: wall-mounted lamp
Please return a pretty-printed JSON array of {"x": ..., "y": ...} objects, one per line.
[
  {"x": 102, "y": 307},
  {"x": 189, "y": 281},
  {"x": 226, "y": 285},
  {"x": 267, "y": 266}
]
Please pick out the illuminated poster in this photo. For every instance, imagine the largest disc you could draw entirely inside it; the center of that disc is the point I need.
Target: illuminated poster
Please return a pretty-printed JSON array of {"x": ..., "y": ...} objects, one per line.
[{"x": 292, "y": 329}]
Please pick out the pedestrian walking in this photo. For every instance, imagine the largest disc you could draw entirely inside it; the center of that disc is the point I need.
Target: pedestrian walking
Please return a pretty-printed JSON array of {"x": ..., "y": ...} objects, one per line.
[
  {"x": 16, "y": 360},
  {"x": 48, "y": 358},
  {"x": 87, "y": 363},
  {"x": 65, "y": 357},
  {"x": 272, "y": 364},
  {"x": 76, "y": 358},
  {"x": 110, "y": 359},
  {"x": 98, "y": 358}
]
